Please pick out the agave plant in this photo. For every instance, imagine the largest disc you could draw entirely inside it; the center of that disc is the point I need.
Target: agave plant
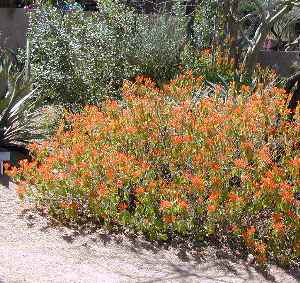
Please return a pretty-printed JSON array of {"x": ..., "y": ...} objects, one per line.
[{"x": 18, "y": 106}]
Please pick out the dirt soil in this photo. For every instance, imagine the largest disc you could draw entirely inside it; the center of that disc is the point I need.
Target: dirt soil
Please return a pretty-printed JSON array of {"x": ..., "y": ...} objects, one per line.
[{"x": 33, "y": 250}]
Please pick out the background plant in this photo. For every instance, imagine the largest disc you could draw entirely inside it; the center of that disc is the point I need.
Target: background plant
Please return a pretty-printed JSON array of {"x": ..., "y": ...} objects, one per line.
[{"x": 79, "y": 58}]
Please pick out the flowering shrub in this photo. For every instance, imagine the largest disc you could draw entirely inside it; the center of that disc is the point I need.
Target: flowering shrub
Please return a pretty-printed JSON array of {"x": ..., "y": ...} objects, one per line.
[{"x": 166, "y": 162}]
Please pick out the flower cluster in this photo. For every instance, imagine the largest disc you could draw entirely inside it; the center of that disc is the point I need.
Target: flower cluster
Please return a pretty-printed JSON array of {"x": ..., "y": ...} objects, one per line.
[{"x": 164, "y": 159}]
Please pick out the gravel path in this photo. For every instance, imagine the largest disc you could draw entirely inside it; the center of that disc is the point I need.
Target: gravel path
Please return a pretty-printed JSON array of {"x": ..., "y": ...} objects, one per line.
[{"x": 31, "y": 250}]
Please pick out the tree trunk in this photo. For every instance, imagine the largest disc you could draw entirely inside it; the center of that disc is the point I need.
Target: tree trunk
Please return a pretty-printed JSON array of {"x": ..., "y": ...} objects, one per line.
[
  {"x": 293, "y": 103},
  {"x": 233, "y": 31},
  {"x": 251, "y": 56}
]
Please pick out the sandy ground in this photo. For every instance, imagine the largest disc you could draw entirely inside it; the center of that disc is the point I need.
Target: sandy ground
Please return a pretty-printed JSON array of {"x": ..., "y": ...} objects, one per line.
[{"x": 31, "y": 250}]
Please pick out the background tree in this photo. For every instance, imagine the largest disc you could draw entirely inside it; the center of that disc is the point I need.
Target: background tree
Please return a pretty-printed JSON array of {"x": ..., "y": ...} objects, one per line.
[{"x": 268, "y": 12}]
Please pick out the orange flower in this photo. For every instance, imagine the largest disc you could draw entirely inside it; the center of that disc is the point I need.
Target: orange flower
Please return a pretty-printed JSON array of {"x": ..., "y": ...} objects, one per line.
[
  {"x": 206, "y": 52},
  {"x": 78, "y": 150},
  {"x": 265, "y": 156},
  {"x": 119, "y": 183},
  {"x": 215, "y": 166},
  {"x": 130, "y": 130},
  {"x": 249, "y": 232},
  {"x": 286, "y": 186},
  {"x": 218, "y": 89},
  {"x": 25, "y": 165},
  {"x": 295, "y": 162},
  {"x": 200, "y": 200},
  {"x": 279, "y": 227},
  {"x": 233, "y": 197},
  {"x": 68, "y": 204},
  {"x": 245, "y": 89},
  {"x": 247, "y": 145},
  {"x": 287, "y": 196},
  {"x": 78, "y": 182},
  {"x": 33, "y": 147},
  {"x": 261, "y": 258},
  {"x": 152, "y": 185},
  {"x": 291, "y": 214},
  {"x": 241, "y": 163},
  {"x": 246, "y": 178},
  {"x": 165, "y": 204},
  {"x": 197, "y": 182},
  {"x": 110, "y": 173},
  {"x": 169, "y": 219},
  {"x": 113, "y": 104},
  {"x": 260, "y": 248},
  {"x": 257, "y": 194},
  {"x": 216, "y": 181},
  {"x": 214, "y": 196},
  {"x": 139, "y": 190},
  {"x": 181, "y": 139},
  {"x": 122, "y": 206},
  {"x": 183, "y": 204},
  {"x": 101, "y": 190},
  {"x": 268, "y": 183},
  {"x": 211, "y": 208},
  {"x": 277, "y": 217},
  {"x": 233, "y": 228}
]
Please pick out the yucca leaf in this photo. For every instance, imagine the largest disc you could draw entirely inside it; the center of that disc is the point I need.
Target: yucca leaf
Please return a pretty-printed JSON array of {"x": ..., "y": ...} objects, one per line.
[{"x": 18, "y": 106}]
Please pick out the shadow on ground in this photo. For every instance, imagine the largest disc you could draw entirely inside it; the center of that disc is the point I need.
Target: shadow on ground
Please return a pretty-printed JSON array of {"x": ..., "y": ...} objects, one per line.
[{"x": 151, "y": 261}]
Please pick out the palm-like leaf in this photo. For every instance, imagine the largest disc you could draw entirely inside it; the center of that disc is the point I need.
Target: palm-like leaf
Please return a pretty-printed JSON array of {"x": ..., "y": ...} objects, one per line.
[{"x": 17, "y": 106}]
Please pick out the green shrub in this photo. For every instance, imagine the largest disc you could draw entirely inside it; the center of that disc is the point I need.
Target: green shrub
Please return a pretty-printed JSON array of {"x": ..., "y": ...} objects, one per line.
[
  {"x": 81, "y": 58},
  {"x": 166, "y": 162}
]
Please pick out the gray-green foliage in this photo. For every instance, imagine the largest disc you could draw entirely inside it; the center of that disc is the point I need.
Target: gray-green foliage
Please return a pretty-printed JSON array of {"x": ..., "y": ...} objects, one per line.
[
  {"x": 82, "y": 58},
  {"x": 206, "y": 23},
  {"x": 18, "y": 105}
]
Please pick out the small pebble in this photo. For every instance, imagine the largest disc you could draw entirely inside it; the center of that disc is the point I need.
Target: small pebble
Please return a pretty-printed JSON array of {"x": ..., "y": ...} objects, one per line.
[{"x": 250, "y": 258}]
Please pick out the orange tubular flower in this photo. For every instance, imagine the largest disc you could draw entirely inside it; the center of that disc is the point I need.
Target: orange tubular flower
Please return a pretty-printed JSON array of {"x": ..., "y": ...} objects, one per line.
[
  {"x": 165, "y": 204},
  {"x": 200, "y": 200},
  {"x": 234, "y": 197},
  {"x": 295, "y": 162},
  {"x": 261, "y": 258},
  {"x": 233, "y": 228},
  {"x": 245, "y": 89},
  {"x": 287, "y": 196},
  {"x": 122, "y": 206},
  {"x": 183, "y": 204},
  {"x": 68, "y": 205},
  {"x": 119, "y": 184},
  {"x": 279, "y": 227},
  {"x": 101, "y": 190},
  {"x": 241, "y": 163},
  {"x": 169, "y": 219},
  {"x": 260, "y": 248},
  {"x": 215, "y": 166},
  {"x": 197, "y": 181},
  {"x": 265, "y": 156},
  {"x": 269, "y": 183},
  {"x": 214, "y": 196},
  {"x": 139, "y": 190},
  {"x": 250, "y": 231},
  {"x": 211, "y": 208},
  {"x": 181, "y": 139}
]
